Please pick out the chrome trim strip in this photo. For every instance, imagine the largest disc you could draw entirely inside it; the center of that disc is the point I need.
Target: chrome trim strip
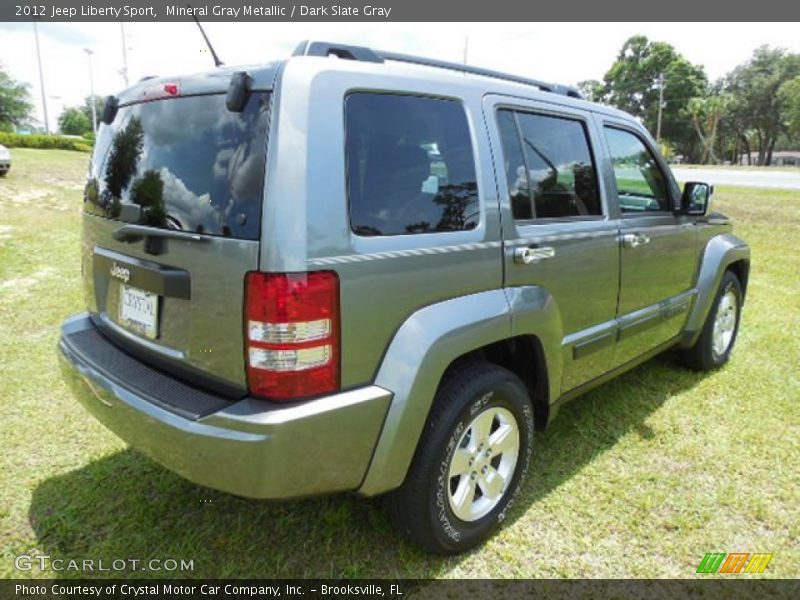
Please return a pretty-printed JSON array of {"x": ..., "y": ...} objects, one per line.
[
  {"x": 357, "y": 258},
  {"x": 588, "y": 347},
  {"x": 563, "y": 237},
  {"x": 649, "y": 316}
]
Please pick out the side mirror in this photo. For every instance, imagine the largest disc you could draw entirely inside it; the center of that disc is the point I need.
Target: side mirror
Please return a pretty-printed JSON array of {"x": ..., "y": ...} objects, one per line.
[{"x": 696, "y": 198}]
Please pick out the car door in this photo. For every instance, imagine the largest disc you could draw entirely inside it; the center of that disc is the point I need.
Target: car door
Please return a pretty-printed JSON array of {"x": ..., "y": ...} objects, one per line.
[
  {"x": 658, "y": 247},
  {"x": 557, "y": 230}
]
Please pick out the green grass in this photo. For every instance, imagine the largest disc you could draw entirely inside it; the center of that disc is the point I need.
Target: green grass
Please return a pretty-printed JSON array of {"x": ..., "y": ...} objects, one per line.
[{"x": 639, "y": 478}]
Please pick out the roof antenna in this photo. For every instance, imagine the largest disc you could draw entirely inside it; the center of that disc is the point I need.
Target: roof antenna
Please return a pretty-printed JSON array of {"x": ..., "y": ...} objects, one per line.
[{"x": 217, "y": 61}]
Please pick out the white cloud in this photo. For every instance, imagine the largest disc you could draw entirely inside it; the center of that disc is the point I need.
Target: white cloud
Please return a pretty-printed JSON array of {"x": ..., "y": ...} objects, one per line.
[
  {"x": 186, "y": 207},
  {"x": 559, "y": 52}
]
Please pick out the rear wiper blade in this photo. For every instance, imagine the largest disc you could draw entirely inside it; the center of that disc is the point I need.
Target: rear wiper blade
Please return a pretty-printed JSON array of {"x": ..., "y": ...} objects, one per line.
[{"x": 134, "y": 233}]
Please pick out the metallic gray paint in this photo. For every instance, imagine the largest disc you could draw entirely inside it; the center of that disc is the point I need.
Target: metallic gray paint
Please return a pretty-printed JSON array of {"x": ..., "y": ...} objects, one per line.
[
  {"x": 252, "y": 448},
  {"x": 418, "y": 355},
  {"x": 720, "y": 251},
  {"x": 205, "y": 332},
  {"x": 384, "y": 280},
  {"x": 411, "y": 305}
]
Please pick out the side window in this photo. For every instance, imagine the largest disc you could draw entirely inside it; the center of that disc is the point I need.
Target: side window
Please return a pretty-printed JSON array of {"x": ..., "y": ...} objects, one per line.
[
  {"x": 549, "y": 159},
  {"x": 521, "y": 206},
  {"x": 641, "y": 185},
  {"x": 410, "y": 165}
]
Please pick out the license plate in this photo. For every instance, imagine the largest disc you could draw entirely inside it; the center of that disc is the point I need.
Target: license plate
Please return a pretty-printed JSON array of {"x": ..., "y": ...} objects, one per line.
[{"x": 138, "y": 311}]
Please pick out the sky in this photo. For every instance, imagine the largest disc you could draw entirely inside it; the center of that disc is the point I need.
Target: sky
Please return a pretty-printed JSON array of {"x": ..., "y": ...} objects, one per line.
[{"x": 563, "y": 53}]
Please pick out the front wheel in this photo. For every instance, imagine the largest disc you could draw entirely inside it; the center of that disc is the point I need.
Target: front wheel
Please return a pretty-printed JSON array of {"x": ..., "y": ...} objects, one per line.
[
  {"x": 715, "y": 344},
  {"x": 471, "y": 460}
]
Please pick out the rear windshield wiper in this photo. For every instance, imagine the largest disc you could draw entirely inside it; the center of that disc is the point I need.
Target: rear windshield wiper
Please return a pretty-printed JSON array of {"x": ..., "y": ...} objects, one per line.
[{"x": 134, "y": 233}]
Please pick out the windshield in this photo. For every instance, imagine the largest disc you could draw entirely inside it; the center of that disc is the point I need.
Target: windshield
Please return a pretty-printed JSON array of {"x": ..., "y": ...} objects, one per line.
[{"x": 187, "y": 164}]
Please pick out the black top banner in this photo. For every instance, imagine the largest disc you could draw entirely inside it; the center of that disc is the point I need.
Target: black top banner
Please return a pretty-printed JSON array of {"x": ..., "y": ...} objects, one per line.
[{"x": 400, "y": 10}]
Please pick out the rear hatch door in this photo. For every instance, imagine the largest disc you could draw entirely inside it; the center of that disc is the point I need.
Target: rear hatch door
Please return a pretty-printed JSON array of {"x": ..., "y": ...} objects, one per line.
[{"x": 172, "y": 220}]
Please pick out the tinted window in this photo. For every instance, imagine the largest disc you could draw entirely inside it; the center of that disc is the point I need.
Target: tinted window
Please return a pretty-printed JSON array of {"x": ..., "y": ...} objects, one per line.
[
  {"x": 410, "y": 166},
  {"x": 641, "y": 185},
  {"x": 521, "y": 206},
  {"x": 188, "y": 164},
  {"x": 560, "y": 169}
]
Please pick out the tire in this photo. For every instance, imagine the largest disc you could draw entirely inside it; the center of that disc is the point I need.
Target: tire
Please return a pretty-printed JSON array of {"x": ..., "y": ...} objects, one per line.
[
  {"x": 710, "y": 352},
  {"x": 474, "y": 398}
]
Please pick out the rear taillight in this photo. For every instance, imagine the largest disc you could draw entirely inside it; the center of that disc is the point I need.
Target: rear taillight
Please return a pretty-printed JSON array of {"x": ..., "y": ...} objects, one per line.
[{"x": 292, "y": 334}]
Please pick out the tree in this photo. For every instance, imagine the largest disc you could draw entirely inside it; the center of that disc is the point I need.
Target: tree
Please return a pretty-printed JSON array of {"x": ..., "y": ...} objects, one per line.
[
  {"x": 15, "y": 104},
  {"x": 591, "y": 89},
  {"x": 77, "y": 120},
  {"x": 632, "y": 84},
  {"x": 73, "y": 121},
  {"x": 757, "y": 106},
  {"x": 99, "y": 102},
  {"x": 123, "y": 160},
  {"x": 706, "y": 115},
  {"x": 789, "y": 96}
]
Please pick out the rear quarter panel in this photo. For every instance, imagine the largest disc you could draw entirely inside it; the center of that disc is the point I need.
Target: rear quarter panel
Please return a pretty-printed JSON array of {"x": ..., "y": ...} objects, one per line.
[{"x": 384, "y": 280}]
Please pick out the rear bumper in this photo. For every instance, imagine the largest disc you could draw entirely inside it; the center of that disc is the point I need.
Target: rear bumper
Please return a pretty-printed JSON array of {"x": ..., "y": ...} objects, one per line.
[{"x": 250, "y": 447}]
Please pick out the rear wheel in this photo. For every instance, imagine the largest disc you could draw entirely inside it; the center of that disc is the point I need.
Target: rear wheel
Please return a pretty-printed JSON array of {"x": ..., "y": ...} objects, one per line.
[
  {"x": 715, "y": 344},
  {"x": 472, "y": 458}
]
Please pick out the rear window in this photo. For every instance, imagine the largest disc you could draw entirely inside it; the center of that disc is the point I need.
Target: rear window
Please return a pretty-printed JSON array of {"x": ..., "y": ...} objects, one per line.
[
  {"x": 410, "y": 166},
  {"x": 187, "y": 164}
]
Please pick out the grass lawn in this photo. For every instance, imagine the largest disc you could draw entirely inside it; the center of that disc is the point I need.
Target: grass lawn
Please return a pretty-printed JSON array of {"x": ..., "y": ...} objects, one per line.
[{"x": 639, "y": 478}]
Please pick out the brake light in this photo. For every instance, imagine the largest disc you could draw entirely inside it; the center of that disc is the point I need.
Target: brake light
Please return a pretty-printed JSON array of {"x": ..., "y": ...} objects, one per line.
[
  {"x": 157, "y": 91},
  {"x": 292, "y": 334}
]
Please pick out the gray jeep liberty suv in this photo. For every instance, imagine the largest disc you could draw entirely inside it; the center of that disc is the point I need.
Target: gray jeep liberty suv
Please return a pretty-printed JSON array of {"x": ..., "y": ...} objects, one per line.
[{"x": 378, "y": 274}]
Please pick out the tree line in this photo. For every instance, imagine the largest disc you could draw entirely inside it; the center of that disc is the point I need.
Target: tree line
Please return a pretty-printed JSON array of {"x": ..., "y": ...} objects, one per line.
[{"x": 754, "y": 110}]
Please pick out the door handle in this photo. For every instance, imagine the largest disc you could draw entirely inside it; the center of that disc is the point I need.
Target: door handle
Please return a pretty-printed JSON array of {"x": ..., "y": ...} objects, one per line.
[
  {"x": 632, "y": 240},
  {"x": 525, "y": 255}
]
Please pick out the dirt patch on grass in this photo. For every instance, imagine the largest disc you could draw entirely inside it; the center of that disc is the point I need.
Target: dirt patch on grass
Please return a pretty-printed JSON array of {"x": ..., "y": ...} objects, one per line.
[{"x": 22, "y": 285}]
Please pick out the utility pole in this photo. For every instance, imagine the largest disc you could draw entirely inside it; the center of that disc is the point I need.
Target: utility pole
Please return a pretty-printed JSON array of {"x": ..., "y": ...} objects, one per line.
[
  {"x": 466, "y": 48},
  {"x": 91, "y": 91},
  {"x": 41, "y": 78},
  {"x": 124, "y": 70},
  {"x": 660, "y": 105}
]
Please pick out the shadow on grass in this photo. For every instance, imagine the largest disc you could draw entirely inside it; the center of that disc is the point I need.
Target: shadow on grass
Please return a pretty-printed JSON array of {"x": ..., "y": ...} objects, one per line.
[{"x": 125, "y": 507}]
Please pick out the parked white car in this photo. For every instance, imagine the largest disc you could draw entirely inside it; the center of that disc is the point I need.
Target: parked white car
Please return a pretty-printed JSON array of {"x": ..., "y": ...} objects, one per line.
[{"x": 5, "y": 160}]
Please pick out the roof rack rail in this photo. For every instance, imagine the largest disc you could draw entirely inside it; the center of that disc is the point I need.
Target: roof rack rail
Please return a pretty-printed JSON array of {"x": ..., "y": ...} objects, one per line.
[
  {"x": 309, "y": 48},
  {"x": 361, "y": 53}
]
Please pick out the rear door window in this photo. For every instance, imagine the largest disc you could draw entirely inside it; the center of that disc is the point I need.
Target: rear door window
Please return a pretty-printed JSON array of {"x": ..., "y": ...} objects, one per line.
[
  {"x": 410, "y": 165},
  {"x": 187, "y": 164},
  {"x": 549, "y": 166}
]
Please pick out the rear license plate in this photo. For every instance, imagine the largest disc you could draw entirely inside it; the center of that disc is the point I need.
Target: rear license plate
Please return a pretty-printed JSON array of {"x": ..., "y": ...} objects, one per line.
[{"x": 138, "y": 311}]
